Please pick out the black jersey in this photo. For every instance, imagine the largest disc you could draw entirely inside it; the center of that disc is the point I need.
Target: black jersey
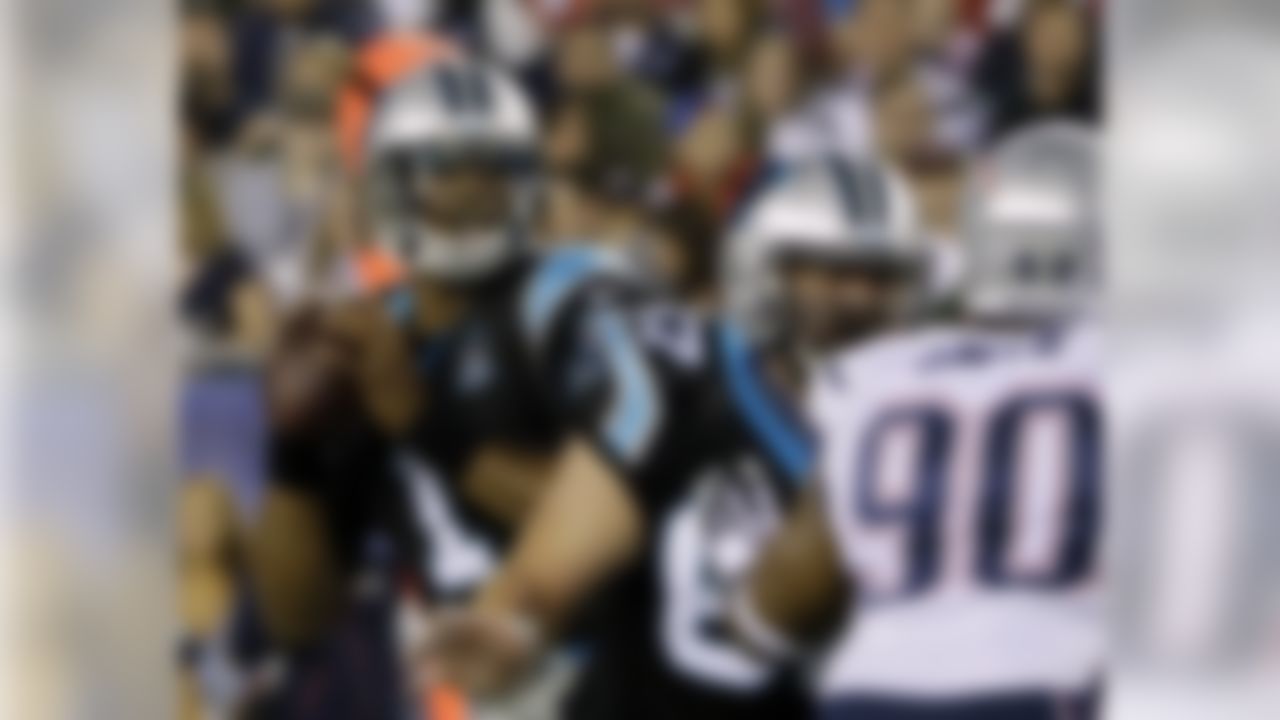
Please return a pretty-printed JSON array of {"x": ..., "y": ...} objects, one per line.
[
  {"x": 575, "y": 343},
  {"x": 482, "y": 390},
  {"x": 580, "y": 345}
]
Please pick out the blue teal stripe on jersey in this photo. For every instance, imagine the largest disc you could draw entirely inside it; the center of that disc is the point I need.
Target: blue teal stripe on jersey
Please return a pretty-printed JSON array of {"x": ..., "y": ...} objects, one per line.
[
  {"x": 555, "y": 280},
  {"x": 771, "y": 419},
  {"x": 632, "y": 418}
]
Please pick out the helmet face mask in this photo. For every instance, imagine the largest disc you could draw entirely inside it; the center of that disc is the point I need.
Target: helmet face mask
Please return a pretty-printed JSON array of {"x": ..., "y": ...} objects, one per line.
[
  {"x": 829, "y": 301},
  {"x": 1030, "y": 271},
  {"x": 1033, "y": 228},
  {"x": 453, "y": 187},
  {"x": 827, "y": 255}
]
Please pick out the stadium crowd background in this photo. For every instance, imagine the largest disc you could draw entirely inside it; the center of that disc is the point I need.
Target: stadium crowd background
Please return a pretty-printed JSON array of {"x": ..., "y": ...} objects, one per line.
[{"x": 660, "y": 118}]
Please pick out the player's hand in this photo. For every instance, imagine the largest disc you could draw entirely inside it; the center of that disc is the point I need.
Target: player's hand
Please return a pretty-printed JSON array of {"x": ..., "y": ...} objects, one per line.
[
  {"x": 311, "y": 379},
  {"x": 480, "y": 652}
]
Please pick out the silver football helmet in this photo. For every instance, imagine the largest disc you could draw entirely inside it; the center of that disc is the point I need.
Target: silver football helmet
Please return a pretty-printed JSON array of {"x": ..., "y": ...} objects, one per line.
[
  {"x": 1032, "y": 226},
  {"x": 835, "y": 213},
  {"x": 453, "y": 176}
]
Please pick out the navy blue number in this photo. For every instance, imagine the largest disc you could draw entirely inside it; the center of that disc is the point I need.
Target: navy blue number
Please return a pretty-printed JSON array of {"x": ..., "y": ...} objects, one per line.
[
  {"x": 923, "y": 512},
  {"x": 1075, "y": 557}
]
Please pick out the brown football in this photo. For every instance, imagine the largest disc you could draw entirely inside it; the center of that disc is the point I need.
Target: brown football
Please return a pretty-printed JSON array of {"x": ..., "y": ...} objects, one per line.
[{"x": 311, "y": 377}]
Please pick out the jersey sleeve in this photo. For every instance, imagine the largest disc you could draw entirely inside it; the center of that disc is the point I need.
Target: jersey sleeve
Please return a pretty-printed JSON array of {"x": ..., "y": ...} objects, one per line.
[
  {"x": 606, "y": 384},
  {"x": 657, "y": 388},
  {"x": 610, "y": 387}
]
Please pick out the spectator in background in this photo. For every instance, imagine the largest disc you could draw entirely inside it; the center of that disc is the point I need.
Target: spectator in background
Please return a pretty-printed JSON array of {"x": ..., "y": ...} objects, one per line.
[
  {"x": 725, "y": 30},
  {"x": 615, "y": 168},
  {"x": 714, "y": 164},
  {"x": 222, "y": 299},
  {"x": 869, "y": 39},
  {"x": 584, "y": 62},
  {"x": 605, "y": 142},
  {"x": 777, "y": 86},
  {"x": 605, "y": 153},
  {"x": 207, "y": 525},
  {"x": 282, "y": 186},
  {"x": 210, "y": 114},
  {"x": 947, "y": 49},
  {"x": 1046, "y": 67},
  {"x": 650, "y": 45},
  {"x": 879, "y": 40},
  {"x": 904, "y": 118},
  {"x": 267, "y": 30},
  {"x": 566, "y": 146}
]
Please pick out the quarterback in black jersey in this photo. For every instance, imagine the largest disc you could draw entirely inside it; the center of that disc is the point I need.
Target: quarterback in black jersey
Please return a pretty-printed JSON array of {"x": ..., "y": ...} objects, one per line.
[
  {"x": 626, "y": 453},
  {"x": 682, "y": 454}
]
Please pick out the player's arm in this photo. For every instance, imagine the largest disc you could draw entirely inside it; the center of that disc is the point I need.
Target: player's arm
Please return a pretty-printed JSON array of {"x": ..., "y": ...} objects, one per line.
[
  {"x": 584, "y": 527},
  {"x": 505, "y": 482},
  {"x": 796, "y": 593},
  {"x": 294, "y": 572},
  {"x": 588, "y": 521},
  {"x": 328, "y": 458}
]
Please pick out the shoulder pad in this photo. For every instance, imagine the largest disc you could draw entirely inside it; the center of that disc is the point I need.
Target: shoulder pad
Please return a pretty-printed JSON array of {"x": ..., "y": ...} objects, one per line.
[{"x": 557, "y": 278}]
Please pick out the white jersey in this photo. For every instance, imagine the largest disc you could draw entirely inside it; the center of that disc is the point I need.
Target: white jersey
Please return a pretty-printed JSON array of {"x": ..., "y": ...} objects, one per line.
[{"x": 961, "y": 470}]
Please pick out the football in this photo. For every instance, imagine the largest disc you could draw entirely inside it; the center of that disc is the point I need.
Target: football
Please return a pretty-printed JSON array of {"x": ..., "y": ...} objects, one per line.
[{"x": 311, "y": 375}]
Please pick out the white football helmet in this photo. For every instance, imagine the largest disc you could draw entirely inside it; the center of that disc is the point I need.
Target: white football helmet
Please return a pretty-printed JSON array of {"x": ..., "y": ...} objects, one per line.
[
  {"x": 837, "y": 211},
  {"x": 455, "y": 114},
  {"x": 1033, "y": 226}
]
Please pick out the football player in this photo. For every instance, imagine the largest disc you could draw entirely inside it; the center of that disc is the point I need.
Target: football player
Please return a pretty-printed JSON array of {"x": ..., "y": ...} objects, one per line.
[
  {"x": 669, "y": 531},
  {"x": 960, "y": 479},
  {"x": 822, "y": 259},
  {"x": 564, "y": 391}
]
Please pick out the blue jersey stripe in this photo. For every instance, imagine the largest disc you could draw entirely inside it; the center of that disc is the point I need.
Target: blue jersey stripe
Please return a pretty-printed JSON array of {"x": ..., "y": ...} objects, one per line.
[
  {"x": 632, "y": 418},
  {"x": 787, "y": 442},
  {"x": 555, "y": 280}
]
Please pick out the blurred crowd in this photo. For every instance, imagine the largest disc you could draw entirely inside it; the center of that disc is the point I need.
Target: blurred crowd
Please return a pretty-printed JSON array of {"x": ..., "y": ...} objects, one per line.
[{"x": 660, "y": 117}]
